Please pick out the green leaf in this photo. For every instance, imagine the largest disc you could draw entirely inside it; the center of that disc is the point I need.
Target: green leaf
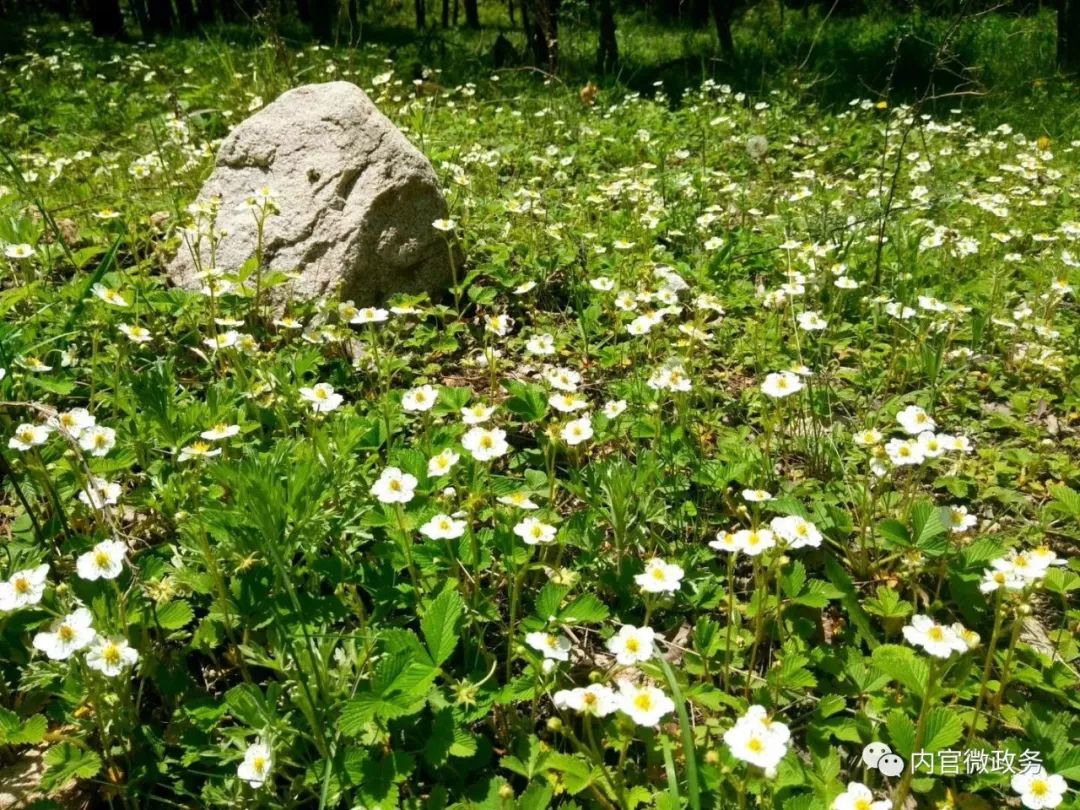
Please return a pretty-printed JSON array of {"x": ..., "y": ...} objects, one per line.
[
  {"x": 901, "y": 732},
  {"x": 586, "y": 609},
  {"x": 439, "y": 625},
  {"x": 943, "y": 728},
  {"x": 902, "y": 665},
  {"x": 527, "y": 400},
  {"x": 67, "y": 761},
  {"x": 174, "y": 615}
]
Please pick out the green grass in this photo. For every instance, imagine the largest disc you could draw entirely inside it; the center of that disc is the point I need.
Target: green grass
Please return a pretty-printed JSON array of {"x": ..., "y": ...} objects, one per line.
[{"x": 692, "y": 235}]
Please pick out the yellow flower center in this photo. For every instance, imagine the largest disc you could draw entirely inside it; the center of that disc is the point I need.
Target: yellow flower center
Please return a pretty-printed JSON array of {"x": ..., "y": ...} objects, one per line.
[
  {"x": 101, "y": 559},
  {"x": 643, "y": 701},
  {"x": 756, "y": 745},
  {"x": 111, "y": 655},
  {"x": 632, "y": 644},
  {"x": 1039, "y": 788},
  {"x": 936, "y": 634},
  {"x": 22, "y": 585},
  {"x": 66, "y": 633}
]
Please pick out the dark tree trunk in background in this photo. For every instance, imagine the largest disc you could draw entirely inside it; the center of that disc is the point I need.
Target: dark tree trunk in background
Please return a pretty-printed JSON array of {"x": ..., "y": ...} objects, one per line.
[
  {"x": 607, "y": 53},
  {"x": 722, "y": 11},
  {"x": 323, "y": 13},
  {"x": 185, "y": 16},
  {"x": 160, "y": 16},
  {"x": 445, "y": 13},
  {"x": 206, "y": 12},
  {"x": 472, "y": 13},
  {"x": 421, "y": 15},
  {"x": 106, "y": 20},
  {"x": 541, "y": 20},
  {"x": 1068, "y": 34},
  {"x": 303, "y": 10}
]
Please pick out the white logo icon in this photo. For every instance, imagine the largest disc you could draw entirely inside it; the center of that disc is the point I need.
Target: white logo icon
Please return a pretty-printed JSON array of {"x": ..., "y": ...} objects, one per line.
[{"x": 879, "y": 756}]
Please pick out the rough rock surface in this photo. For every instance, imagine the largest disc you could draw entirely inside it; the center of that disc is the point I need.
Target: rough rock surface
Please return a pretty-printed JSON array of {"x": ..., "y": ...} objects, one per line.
[{"x": 356, "y": 200}]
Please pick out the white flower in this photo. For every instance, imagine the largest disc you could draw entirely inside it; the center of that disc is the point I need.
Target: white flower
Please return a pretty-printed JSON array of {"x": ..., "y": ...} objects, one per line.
[
  {"x": 521, "y": 500},
  {"x": 781, "y": 384},
  {"x": 110, "y": 656},
  {"x": 904, "y": 452},
  {"x": 442, "y": 463},
  {"x": 644, "y": 704},
  {"x": 534, "y": 532},
  {"x": 868, "y": 438},
  {"x": 444, "y": 225},
  {"x": 484, "y": 444},
  {"x": 198, "y": 450},
  {"x": 23, "y": 588},
  {"x": 109, "y": 296},
  {"x": 614, "y": 408},
  {"x": 19, "y": 251},
  {"x": 67, "y": 635},
  {"x": 914, "y": 420},
  {"x": 477, "y": 414},
  {"x": 754, "y": 541},
  {"x": 577, "y": 431},
  {"x": 568, "y": 403},
  {"x": 859, "y": 797},
  {"x": 220, "y": 431},
  {"x": 103, "y": 561},
  {"x": 99, "y": 493},
  {"x": 995, "y": 578},
  {"x": 136, "y": 333},
  {"x": 756, "y": 495},
  {"x": 564, "y": 379},
  {"x": 757, "y": 740},
  {"x": 420, "y": 399},
  {"x": 796, "y": 531},
  {"x": 223, "y": 340},
  {"x": 369, "y": 315},
  {"x": 443, "y": 527},
  {"x": 659, "y": 577},
  {"x": 498, "y": 324},
  {"x": 959, "y": 519},
  {"x": 257, "y": 764},
  {"x": 72, "y": 423},
  {"x": 540, "y": 344},
  {"x": 1038, "y": 789},
  {"x": 27, "y": 436},
  {"x": 632, "y": 645},
  {"x": 812, "y": 321},
  {"x": 394, "y": 486},
  {"x": 322, "y": 397},
  {"x": 726, "y": 541},
  {"x": 98, "y": 440},
  {"x": 553, "y": 646},
  {"x": 596, "y": 700},
  {"x": 930, "y": 444},
  {"x": 936, "y": 639}
]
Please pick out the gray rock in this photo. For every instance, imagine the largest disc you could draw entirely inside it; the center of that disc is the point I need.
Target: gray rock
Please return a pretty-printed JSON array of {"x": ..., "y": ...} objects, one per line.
[{"x": 356, "y": 200}]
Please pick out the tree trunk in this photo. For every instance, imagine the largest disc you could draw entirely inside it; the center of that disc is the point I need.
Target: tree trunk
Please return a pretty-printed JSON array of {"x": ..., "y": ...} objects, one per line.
[
  {"x": 541, "y": 20},
  {"x": 445, "y": 13},
  {"x": 421, "y": 15},
  {"x": 322, "y": 14},
  {"x": 1068, "y": 35},
  {"x": 303, "y": 11},
  {"x": 106, "y": 19},
  {"x": 185, "y": 16},
  {"x": 206, "y": 12},
  {"x": 607, "y": 53},
  {"x": 160, "y": 15},
  {"x": 472, "y": 13},
  {"x": 722, "y": 12}
]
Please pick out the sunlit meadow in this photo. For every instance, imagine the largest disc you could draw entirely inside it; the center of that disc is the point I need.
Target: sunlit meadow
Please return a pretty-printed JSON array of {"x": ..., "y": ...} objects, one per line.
[{"x": 746, "y": 438}]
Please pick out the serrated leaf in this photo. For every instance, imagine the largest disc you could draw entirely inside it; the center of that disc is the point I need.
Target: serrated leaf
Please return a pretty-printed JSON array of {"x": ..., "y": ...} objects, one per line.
[
  {"x": 901, "y": 732},
  {"x": 586, "y": 609},
  {"x": 67, "y": 761},
  {"x": 902, "y": 665},
  {"x": 439, "y": 625},
  {"x": 174, "y": 615},
  {"x": 549, "y": 600},
  {"x": 943, "y": 728}
]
